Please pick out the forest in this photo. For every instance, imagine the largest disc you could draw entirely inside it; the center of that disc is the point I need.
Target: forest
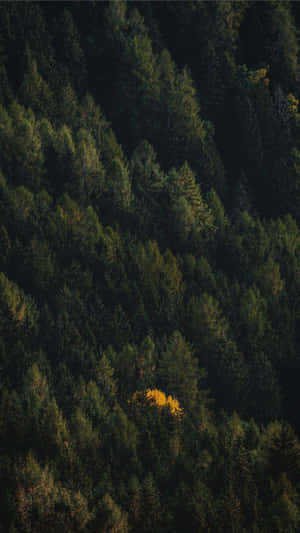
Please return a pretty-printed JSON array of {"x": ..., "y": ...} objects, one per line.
[{"x": 149, "y": 266}]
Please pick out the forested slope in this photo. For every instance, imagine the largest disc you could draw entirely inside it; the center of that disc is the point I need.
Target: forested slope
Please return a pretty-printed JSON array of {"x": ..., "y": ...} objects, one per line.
[{"x": 149, "y": 267}]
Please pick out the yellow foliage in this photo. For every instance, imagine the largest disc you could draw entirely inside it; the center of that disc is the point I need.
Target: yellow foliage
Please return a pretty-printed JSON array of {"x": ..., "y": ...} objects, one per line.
[
  {"x": 255, "y": 76},
  {"x": 293, "y": 103},
  {"x": 159, "y": 398}
]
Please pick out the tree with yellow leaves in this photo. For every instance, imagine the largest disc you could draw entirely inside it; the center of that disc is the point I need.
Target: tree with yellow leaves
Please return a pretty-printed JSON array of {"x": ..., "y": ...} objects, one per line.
[
  {"x": 256, "y": 76},
  {"x": 159, "y": 398}
]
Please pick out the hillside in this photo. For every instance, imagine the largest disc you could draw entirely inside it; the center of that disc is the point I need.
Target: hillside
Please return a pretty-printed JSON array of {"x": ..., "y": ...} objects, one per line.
[{"x": 149, "y": 267}]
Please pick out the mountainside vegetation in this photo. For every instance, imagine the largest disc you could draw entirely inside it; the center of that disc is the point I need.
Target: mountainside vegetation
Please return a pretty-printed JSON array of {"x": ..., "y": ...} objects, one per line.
[{"x": 149, "y": 266}]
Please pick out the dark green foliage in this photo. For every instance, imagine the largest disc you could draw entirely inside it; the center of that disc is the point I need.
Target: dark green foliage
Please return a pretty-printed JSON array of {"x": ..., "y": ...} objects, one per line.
[{"x": 149, "y": 267}]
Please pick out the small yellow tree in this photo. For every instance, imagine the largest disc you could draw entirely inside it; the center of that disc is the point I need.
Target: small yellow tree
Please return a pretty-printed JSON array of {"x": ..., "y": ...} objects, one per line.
[{"x": 158, "y": 398}]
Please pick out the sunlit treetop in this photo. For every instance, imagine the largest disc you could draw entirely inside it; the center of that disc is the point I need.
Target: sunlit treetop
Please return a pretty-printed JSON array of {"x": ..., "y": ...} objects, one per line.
[{"x": 159, "y": 398}]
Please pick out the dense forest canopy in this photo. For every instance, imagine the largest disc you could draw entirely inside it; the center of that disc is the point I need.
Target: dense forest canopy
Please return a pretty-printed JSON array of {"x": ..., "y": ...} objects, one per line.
[{"x": 149, "y": 266}]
